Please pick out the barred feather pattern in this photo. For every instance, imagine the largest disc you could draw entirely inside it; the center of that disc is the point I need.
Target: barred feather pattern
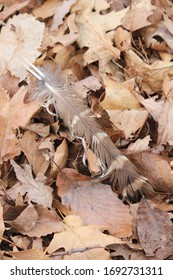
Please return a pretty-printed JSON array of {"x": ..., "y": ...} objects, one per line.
[{"x": 53, "y": 89}]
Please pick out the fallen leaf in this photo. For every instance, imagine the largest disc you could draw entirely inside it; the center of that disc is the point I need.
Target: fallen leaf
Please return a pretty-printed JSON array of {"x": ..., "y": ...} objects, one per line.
[
  {"x": 41, "y": 129},
  {"x": 97, "y": 254},
  {"x": 45, "y": 224},
  {"x": 60, "y": 13},
  {"x": 94, "y": 30},
  {"x": 23, "y": 40},
  {"x": 122, "y": 39},
  {"x": 129, "y": 121},
  {"x": 140, "y": 145},
  {"x": 94, "y": 202},
  {"x": 155, "y": 231},
  {"x": 36, "y": 189},
  {"x": 137, "y": 15},
  {"x": 118, "y": 96},
  {"x": 92, "y": 162},
  {"x": 31, "y": 254},
  {"x": 78, "y": 237},
  {"x": 47, "y": 9},
  {"x": 31, "y": 148},
  {"x": 155, "y": 167},
  {"x": 152, "y": 75},
  {"x": 11, "y": 9},
  {"x": 60, "y": 157},
  {"x": 25, "y": 221}
]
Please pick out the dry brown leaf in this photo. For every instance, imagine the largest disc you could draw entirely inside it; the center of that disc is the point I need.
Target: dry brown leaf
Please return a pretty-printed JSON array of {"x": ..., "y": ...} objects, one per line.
[
  {"x": 31, "y": 254},
  {"x": 25, "y": 220},
  {"x": 11, "y": 9},
  {"x": 46, "y": 223},
  {"x": 157, "y": 168},
  {"x": 41, "y": 129},
  {"x": 165, "y": 129},
  {"x": 2, "y": 226},
  {"x": 23, "y": 40},
  {"x": 81, "y": 238},
  {"x": 94, "y": 30},
  {"x": 94, "y": 202},
  {"x": 92, "y": 162},
  {"x": 122, "y": 39},
  {"x": 129, "y": 121},
  {"x": 155, "y": 231},
  {"x": 36, "y": 156},
  {"x": 137, "y": 15},
  {"x": 154, "y": 107},
  {"x": 118, "y": 96},
  {"x": 152, "y": 75},
  {"x": 47, "y": 9},
  {"x": 21, "y": 241},
  {"x": 35, "y": 189},
  {"x": 61, "y": 11},
  {"x": 140, "y": 145},
  {"x": 60, "y": 156},
  {"x": 85, "y": 85}
]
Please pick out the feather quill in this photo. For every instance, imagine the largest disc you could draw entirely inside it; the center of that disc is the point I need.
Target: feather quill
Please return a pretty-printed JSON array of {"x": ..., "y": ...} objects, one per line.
[{"x": 54, "y": 90}]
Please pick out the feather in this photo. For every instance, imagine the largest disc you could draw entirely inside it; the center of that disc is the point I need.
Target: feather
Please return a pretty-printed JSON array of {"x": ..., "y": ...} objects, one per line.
[{"x": 53, "y": 89}]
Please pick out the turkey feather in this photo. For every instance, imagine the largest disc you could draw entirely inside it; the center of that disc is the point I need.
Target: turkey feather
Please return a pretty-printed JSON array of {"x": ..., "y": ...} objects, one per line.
[{"x": 52, "y": 89}]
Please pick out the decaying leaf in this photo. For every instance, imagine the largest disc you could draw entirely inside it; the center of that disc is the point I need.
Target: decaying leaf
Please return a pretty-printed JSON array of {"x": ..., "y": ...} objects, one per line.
[
  {"x": 157, "y": 168},
  {"x": 36, "y": 157},
  {"x": 35, "y": 189},
  {"x": 129, "y": 121},
  {"x": 94, "y": 30},
  {"x": 22, "y": 29},
  {"x": 94, "y": 202},
  {"x": 155, "y": 231},
  {"x": 78, "y": 238},
  {"x": 31, "y": 254},
  {"x": 46, "y": 223},
  {"x": 118, "y": 97}
]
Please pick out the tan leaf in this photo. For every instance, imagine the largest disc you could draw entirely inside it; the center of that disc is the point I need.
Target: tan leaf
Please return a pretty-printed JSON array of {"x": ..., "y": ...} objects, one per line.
[
  {"x": 25, "y": 221},
  {"x": 140, "y": 145},
  {"x": 118, "y": 96},
  {"x": 46, "y": 223},
  {"x": 154, "y": 107},
  {"x": 165, "y": 129},
  {"x": 155, "y": 231},
  {"x": 94, "y": 30},
  {"x": 152, "y": 75},
  {"x": 122, "y": 39},
  {"x": 137, "y": 15},
  {"x": 92, "y": 162},
  {"x": 60, "y": 156},
  {"x": 11, "y": 9},
  {"x": 36, "y": 189},
  {"x": 129, "y": 121},
  {"x": 61, "y": 11},
  {"x": 47, "y": 9},
  {"x": 23, "y": 40},
  {"x": 40, "y": 128},
  {"x": 78, "y": 237},
  {"x": 31, "y": 254},
  {"x": 94, "y": 202},
  {"x": 30, "y": 146},
  {"x": 157, "y": 168}
]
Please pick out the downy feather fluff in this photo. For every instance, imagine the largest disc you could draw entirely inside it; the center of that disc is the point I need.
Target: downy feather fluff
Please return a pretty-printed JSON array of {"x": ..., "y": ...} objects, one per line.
[{"x": 52, "y": 89}]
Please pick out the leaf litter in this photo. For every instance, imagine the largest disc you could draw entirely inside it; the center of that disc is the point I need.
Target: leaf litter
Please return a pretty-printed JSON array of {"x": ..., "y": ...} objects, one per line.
[{"x": 51, "y": 206}]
